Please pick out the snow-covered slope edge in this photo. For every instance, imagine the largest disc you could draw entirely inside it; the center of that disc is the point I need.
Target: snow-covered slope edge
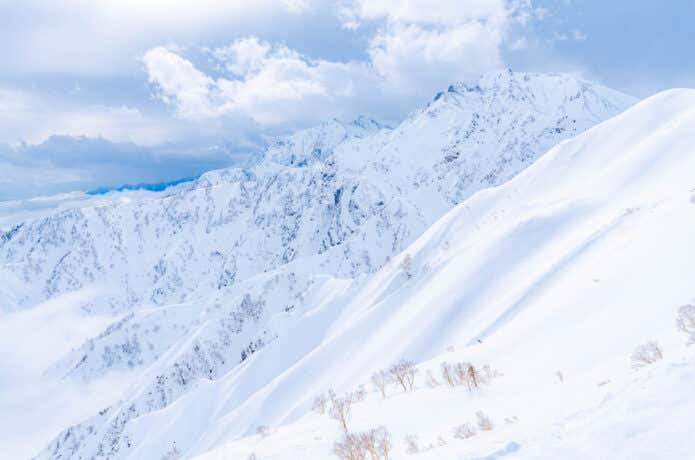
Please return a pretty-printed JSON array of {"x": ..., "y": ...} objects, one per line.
[
  {"x": 568, "y": 267},
  {"x": 218, "y": 271}
]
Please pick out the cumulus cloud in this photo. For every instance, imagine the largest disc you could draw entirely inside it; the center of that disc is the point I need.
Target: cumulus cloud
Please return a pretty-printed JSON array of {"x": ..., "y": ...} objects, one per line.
[
  {"x": 415, "y": 48},
  {"x": 269, "y": 83}
]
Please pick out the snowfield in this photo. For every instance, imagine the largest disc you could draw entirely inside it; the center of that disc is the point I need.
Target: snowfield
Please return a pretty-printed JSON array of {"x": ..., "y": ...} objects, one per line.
[
  {"x": 561, "y": 273},
  {"x": 204, "y": 321}
]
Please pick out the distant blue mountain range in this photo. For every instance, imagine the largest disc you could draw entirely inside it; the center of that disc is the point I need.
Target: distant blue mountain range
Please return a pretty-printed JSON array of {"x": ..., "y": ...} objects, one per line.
[{"x": 156, "y": 187}]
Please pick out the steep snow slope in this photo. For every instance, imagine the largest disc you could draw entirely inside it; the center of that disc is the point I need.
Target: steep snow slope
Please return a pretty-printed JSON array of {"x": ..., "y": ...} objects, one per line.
[
  {"x": 568, "y": 267},
  {"x": 204, "y": 277}
]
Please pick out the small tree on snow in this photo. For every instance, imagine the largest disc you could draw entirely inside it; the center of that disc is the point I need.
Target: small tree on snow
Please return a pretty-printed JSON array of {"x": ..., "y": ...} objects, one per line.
[
  {"x": 412, "y": 444},
  {"x": 350, "y": 448},
  {"x": 376, "y": 442},
  {"x": 403, "y": 373},
  {"x": 484, "y": 422},
  {"x": 320, "y": 404},
  {"x": 341, "y": 408},
  {"x": 448, "y": 374},
  {"x": 430, "y": 380},
  {"x": 381, "y": 381},
  {"x": 646, "y": 354},
  {"x": 407, "y": 266},
  {"x": 685, "y": 321},
  {"x": 173, "y": 454},
  {"x": 464, "y": 431}
]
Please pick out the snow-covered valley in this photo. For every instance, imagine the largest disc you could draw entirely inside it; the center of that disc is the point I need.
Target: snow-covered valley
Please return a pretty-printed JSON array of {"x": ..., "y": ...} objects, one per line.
[{"x": 204, "y": 321}]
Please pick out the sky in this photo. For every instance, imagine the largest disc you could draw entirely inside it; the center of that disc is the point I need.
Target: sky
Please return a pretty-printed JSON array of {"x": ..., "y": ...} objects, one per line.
[{"x": 99, "y": 93}]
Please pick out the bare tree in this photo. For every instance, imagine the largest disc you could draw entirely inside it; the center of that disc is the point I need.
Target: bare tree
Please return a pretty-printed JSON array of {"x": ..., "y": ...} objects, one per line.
[
  {"x": 320, "y": 404},
  {"x": 341, "y": 408},
  {"x": 468, "y": 374},
  {"x": 173, "y": 454},
  {"x": 484, "y": 422},
  {"x": 377, "y": 443},
  {"x": 383, "y": 442},
  {"x": 381, "y": 381},
  {"x": 430, "y": 380},
  {"x": 448, "y": 374},
  {"x": 685, "y": 321},
  {"x": 403, "y": 373},
  {"x": 464, "y": 431},
  {"x": 360, "y": 394},
  {"x": 646, "y": 354},
  {"x": 350, "y": 448},
  {"x": 489, "y": 373},
  {"x": 412, "y": 444},
  {"x": 407, "y": 266}
]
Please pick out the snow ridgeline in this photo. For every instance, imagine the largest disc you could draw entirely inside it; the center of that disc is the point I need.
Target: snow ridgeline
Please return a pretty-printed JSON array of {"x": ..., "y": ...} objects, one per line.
[
  {"x": 212, "y": 274},
  {"x": 571, "y": 280}
]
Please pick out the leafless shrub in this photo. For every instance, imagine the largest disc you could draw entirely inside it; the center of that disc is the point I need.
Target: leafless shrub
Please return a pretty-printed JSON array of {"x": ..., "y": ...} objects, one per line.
[
  {"x": 403, "y": 373},
  {"x": 560, "y": 377},
  {"x": 685, "y": 321},
  {"x": 252, "y": 457},
  {"x": 412, "y": 444},
  {"x": 173, "y": 454},
  {"x": 360, "y": 394},
  {"x": 341, "y": 409},
  {"x": 450, "y": 348},
  {"x": 441, "y": 441},
  {"x": 320, "y": 404},
  {"x": 464, "y": 431},
  {"x": 484, "y": 422},
  {"x": 430, "y": 380},
  {"x": 383, "y": 443},
  {"x": 646, "y": 354},
  {"x": 381, "y": 381},
  {"x": 350, "y": 448},
  {"x": 374, "y": 443},
  {"x": 468, "y": 374},
  {"x": 263, "y": 431},
  {"x": 407, "y": 266},
  {"x": 377, "y": 443},
  {"x": 489, "y": 373},
  {"x": 448, "y": 374}
]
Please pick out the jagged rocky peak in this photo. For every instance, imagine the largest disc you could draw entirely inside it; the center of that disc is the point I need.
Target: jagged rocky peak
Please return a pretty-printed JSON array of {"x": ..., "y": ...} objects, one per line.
[
  {"x": 318, "y": 142},
  {"x": 541, "y": 90}
]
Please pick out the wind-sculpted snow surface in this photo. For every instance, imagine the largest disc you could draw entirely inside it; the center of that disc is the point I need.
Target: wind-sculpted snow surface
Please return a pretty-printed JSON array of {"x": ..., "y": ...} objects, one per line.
[
  {"x": 208, "y": 276},
  {"x": 544, "y": 277}
]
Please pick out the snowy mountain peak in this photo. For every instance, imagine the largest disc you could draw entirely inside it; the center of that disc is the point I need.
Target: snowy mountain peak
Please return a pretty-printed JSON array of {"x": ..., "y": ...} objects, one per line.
[
  {"x": 317, "y": 143},
  {"x": 502, "y": 90},
  {"x": 200, "y": 278}
]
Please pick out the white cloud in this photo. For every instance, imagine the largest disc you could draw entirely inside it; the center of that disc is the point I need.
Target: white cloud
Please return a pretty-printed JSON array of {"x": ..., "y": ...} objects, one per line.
[
  {"x": 418, "y": 47},
  {"x": 271, "y": 84},
  {"x": 49, "y": 37},
  {"x": 27, "y": 117},
  {"x": 175, "y": 77},
  {"x": 412, "y": 58}
]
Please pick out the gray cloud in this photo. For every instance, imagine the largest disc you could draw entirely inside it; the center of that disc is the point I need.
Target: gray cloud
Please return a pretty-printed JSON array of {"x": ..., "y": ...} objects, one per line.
[{"x": 65, "y": 163}]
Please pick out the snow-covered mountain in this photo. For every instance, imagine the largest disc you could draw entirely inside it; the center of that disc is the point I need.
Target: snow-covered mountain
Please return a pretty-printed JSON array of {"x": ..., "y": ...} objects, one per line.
[
  {"x": 359, "y": 191},
  {"x": 285, "y": 258},
  {"x": 568, "y": 280}
]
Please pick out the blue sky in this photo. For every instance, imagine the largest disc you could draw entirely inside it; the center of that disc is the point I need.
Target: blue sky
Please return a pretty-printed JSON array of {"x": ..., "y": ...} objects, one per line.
[{"x": 169, "y": 91}]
